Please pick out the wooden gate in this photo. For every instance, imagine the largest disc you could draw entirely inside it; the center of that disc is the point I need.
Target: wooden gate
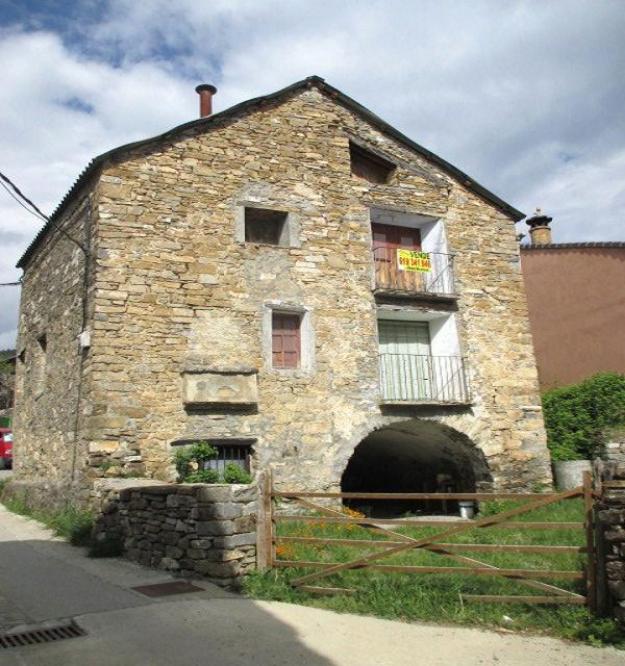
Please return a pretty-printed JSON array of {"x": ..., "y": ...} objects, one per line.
[{"x": 437, "y": 543}]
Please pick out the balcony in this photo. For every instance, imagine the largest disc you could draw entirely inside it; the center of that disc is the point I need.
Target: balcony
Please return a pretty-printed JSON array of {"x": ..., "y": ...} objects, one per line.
[
  {"x": 430, "y": 274},
  {"x": 415, "y": 379}
]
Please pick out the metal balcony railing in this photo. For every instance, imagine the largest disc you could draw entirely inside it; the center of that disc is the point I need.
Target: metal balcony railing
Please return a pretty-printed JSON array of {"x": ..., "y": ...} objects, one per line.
[
  {"x": 427, "y": 379},
  {"x": 437, "y": 278}
]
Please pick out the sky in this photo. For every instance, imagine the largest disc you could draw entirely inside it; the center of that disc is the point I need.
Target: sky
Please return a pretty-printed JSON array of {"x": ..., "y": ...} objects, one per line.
[{"x": 527, "y": 97}]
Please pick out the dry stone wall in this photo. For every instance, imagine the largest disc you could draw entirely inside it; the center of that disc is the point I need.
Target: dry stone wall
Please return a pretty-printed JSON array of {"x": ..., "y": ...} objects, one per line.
[
  {"x": 610, "y": 516},
  {"x": 190, "y": 530}
]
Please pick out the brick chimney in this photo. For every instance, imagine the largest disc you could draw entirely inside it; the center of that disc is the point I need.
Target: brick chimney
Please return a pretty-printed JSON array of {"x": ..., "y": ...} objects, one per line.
[
  {"x": 206, "y": 92},
  {"x": 540, "y": 231}
]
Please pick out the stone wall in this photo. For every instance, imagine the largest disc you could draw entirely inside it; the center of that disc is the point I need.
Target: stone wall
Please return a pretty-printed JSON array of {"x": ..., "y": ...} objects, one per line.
[
  {"x": 191, "y": 530},
  {"x": 614, "y": 448},
  {"x": 610, "y": 514},
  {"x": 52, "y": 372},
  {"x": 175, "y": 284}
]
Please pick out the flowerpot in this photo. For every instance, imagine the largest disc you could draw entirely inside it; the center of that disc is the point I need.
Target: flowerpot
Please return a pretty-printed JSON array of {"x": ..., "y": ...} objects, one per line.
[
  {"x": 570, "y": 473},
  {"x": 467, "y": 509}
]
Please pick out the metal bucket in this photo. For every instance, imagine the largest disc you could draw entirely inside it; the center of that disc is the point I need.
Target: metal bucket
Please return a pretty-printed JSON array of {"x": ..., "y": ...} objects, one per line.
[
  {"x": 467, "y": 509},
  {"x": 569, "y": 473}
]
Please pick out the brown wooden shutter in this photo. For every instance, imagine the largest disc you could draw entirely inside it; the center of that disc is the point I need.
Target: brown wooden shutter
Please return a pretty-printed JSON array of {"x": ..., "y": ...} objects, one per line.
[{"x": 285, "y": 340}]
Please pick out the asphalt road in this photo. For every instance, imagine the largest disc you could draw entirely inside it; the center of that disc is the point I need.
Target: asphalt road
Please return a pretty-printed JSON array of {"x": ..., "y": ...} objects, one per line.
[{"x": 42, "y": 578}]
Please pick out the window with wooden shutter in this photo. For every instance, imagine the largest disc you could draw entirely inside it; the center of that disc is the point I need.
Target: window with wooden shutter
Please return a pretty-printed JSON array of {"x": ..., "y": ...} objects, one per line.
[
  {"x": 285, "y": 340},
  {"x": 368, "y": 165}
]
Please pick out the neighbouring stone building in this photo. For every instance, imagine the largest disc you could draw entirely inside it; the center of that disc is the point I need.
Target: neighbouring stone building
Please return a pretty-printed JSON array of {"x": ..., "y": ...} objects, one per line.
[{"x": 298, "y": 283}]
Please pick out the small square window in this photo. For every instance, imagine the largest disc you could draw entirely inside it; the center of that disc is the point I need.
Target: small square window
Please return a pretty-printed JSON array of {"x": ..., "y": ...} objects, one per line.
[
  {"x": 231, "y": 452},
  {"x": 285, "y": 340},
  {"x": 263, "y": 225}
]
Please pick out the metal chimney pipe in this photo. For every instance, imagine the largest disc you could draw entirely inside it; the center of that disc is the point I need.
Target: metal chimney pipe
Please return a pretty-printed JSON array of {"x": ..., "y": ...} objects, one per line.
[{"x": 206, "y": 92}]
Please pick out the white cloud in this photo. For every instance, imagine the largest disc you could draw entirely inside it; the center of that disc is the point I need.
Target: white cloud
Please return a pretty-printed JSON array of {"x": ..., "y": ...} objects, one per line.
[{"x": 526, "y": 97}]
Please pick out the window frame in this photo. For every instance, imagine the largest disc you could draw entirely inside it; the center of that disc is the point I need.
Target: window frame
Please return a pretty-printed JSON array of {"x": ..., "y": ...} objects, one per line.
[
  {"x": 277, "y": 227},
  {"x": 221, "y": 443},
  {"x": 377, "y": 170},
  {"x": 290, "y": 231},
  {"x": 279, "y": 330},
  {"x": 307, "y": 338}
]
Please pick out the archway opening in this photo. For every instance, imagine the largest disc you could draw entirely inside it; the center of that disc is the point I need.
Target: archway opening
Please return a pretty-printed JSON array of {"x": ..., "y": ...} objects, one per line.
[{"x": 413, "y": 457}]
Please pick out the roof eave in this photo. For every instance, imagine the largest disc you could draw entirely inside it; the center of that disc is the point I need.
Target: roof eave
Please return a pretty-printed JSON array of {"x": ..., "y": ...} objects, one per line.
[{"x": 309, "y": 82}]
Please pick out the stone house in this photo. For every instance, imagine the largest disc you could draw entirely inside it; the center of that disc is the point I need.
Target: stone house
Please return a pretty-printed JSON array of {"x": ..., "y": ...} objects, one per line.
[{"x": 293, "y": 280}]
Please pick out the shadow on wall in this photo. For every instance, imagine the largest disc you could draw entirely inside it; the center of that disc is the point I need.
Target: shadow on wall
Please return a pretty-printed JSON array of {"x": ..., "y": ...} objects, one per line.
[
  {"x": 45, "y": 580},
  {"x": 414, "y": 457}
]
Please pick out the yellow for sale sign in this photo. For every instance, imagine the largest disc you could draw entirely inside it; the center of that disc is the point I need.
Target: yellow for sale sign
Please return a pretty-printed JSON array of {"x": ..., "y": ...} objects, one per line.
[{"x": 411, "y": 260}]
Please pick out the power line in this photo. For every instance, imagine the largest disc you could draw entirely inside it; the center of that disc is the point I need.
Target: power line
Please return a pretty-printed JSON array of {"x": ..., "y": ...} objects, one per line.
[
  {"x": 21, "y": 195},
  {"x": 36, "y": 210},
  {"x": 28, "y": 210},
  {"x": 10, "y": 284}
]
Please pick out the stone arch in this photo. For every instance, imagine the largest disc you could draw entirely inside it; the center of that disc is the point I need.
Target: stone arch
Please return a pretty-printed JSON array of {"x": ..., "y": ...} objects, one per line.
[{"x": 414, "y": 455}]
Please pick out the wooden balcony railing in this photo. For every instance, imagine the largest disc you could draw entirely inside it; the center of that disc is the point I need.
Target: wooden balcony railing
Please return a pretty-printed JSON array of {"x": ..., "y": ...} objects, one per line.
[
  {"x": 428, "y": 379},
  {"x": 436, "y": 276}
]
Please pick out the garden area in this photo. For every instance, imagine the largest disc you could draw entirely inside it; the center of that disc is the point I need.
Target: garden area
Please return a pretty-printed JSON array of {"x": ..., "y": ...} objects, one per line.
[
  {"x": 579, "y": 420},
  {"x": 439, "y": 597}
]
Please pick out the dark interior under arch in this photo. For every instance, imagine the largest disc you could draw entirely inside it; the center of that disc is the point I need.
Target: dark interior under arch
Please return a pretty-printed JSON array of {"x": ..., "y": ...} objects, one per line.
[{"x": 415, "y": 457}]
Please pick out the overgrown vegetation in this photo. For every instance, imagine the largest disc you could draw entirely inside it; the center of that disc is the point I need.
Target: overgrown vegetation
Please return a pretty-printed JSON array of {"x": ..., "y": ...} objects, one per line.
[
  {"x": 577, "y": 416},
  {"x": 74, "y": 525},
  {"x": 71, "y": 524},
  {"x": 192, "y": 464},
  {"x": 437, "y": 597}
]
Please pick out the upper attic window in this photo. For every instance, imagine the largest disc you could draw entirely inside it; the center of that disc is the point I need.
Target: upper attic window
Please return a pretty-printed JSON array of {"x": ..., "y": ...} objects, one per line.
[{"x": 368, "y": 165}]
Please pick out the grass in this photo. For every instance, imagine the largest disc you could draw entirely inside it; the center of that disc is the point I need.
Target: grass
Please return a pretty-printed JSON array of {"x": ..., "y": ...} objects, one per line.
[
  {"x": 71, "y": 524},
  {"x": 437, "y": 597}
]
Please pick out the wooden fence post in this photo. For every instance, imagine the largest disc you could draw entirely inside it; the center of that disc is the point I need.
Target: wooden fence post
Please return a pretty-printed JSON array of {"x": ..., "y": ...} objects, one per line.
[
  {"x": 264, "y": 526},
  {"x": 591, "y": 568}
]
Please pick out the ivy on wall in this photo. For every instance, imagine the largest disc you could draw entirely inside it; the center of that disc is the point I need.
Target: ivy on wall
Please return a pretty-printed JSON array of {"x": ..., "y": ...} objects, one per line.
[{"x": 577, "y": 416}]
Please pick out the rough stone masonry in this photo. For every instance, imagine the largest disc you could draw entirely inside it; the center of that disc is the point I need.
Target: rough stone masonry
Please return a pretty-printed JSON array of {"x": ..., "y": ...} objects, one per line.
[
  {"x": 610, "y": 518},
  {"x": 173, "y": 304},
  {"x": 191, "y": 530}
]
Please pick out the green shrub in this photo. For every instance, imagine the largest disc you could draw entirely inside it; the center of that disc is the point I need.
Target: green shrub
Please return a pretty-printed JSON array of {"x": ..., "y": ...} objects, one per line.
[
  {"x": 191, "y": 465},
  {"x": 577, "y": 416},
  {"x": 492, "y": 507},
  {"x": 191, "y": 461},
  {"x": 203, "y": 476},
  {"x": 235, "y": 474},
  {"x": 74, "y": 525}
]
